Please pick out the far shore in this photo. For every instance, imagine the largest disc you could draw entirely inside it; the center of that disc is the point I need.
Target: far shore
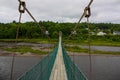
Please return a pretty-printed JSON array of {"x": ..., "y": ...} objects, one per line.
[{"x": 41, "y": 55}]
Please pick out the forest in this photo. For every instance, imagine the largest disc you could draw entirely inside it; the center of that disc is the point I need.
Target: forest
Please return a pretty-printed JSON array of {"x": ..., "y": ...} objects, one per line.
[{"x": 31, "y": 30}]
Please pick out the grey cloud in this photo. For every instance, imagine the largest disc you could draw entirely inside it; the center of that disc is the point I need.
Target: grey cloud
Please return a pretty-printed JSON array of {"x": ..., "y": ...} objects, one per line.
[{"x": 62, "y": 10}]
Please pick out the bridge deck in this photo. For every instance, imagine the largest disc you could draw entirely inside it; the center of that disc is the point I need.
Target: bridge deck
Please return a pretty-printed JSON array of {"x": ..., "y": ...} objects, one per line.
[{"x": 59, "y": 71}]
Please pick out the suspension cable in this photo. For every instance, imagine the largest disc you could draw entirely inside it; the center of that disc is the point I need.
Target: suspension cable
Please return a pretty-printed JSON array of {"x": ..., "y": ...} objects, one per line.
[
  {"x": 22, "y": 8},
  {"x": 25, "y": 8},
  {"x": 74, "y": 29},
  {"x": 17, "y": 34},
  {"x": 89, "y": 50},
  {"x": 90, "y": 59},
  {"x": 86, "y": 14}
]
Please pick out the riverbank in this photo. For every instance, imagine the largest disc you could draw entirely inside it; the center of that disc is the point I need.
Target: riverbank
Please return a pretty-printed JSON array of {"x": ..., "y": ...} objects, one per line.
[
  {"x": 35, "y": 49},
  {"x": 17, "y": 54},
  {"x": 65, "y": 41}
]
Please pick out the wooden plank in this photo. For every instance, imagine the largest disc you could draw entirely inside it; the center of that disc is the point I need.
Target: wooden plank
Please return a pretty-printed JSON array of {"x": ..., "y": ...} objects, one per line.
[{"x": 59, "y": 71}]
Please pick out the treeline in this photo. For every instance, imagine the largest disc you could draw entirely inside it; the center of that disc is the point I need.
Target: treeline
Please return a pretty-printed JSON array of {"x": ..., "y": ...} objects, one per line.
[{"x": 32, "y": 30}]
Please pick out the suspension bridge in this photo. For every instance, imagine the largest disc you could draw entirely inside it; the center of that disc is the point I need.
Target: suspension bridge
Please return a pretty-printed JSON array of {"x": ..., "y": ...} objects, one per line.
[{"x": 57, "y": 65}]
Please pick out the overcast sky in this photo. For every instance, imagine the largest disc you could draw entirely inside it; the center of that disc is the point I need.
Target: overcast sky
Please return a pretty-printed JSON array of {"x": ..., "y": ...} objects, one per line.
[{"x": 107, "y": 11}]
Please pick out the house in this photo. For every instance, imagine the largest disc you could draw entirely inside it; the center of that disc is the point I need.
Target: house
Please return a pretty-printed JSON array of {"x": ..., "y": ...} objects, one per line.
[
  {"x": 92, "y": 33},
  {"x": 116, "y": 33},
  {"x": 47, "y": 33},
  {"x": 74, "y": 32},
  {"x": 101, "y": 33}
]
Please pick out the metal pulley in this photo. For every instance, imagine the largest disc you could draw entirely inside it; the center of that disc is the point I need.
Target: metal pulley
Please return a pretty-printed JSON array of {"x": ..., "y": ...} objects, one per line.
[
  {"x": 87, "y": 12},
  {"x": 22, "y": 6}
]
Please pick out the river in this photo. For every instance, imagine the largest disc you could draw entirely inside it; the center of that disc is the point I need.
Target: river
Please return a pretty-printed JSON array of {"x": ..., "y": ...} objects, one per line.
[
  {"x": 104, "y": 67},
  {"x": 104, "y": 48}
]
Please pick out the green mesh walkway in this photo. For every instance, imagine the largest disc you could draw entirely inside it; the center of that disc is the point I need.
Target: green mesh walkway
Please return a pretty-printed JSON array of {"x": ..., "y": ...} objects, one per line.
[
  {"x": 44, "y": 69},
  {"x": 73, "y": 72}
]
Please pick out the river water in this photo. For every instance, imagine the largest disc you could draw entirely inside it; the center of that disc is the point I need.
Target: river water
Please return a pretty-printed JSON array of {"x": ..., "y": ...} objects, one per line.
[
  {"x": 104, "y": 67},
  {"x": 104, "y": 48}
]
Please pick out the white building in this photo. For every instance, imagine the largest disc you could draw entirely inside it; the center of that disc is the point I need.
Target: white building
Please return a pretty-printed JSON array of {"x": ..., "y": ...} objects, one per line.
[
  {"x": 116, "y": 33},
  {"x": 46, "y": 32},
  {"x": 101, "y": 33},
  {"x": 74, "y": 32}
]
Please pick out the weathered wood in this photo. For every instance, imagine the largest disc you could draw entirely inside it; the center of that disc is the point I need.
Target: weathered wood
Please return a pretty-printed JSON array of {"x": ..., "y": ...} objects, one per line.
[{"x": 59, "y": 71}]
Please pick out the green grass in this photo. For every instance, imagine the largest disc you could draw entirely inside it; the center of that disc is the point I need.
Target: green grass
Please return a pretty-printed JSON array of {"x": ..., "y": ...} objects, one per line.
[
  {"x": 65, "y": 41},
  {"x": 75, "y": 49},
  {"x": 24, "y": 49},
  {"x": 82, "y": 50},
  {"x": 105, "y": 43},
  {"x": 51, "y": 41},
  {"x": 94, "y": 43}
]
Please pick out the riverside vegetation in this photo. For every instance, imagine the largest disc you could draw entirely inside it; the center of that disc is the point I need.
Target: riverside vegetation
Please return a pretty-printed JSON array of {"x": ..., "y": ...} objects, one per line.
[{"x": 30, "y": 32}]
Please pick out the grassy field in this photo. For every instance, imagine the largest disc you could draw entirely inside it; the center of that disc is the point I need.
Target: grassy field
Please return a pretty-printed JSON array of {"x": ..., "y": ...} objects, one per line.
[
  {"x": 94, "y": 43},
  {"x": 30, "y": 40},
  {"x": 82, "y": 50},
  {"x": 72, "y": 49},
  {"x": 55, "y": 41},
  {"x": 24, "y": 49}
]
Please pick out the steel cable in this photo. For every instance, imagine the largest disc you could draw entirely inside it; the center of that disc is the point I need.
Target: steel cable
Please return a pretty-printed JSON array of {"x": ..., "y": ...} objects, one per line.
[{"x": 87, "y": 14}]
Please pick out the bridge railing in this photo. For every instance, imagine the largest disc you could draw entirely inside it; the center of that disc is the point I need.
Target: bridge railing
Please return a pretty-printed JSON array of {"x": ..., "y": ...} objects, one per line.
[
  {"x": 42, "y": 70},
  {"x": 73, "y": 72}
]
